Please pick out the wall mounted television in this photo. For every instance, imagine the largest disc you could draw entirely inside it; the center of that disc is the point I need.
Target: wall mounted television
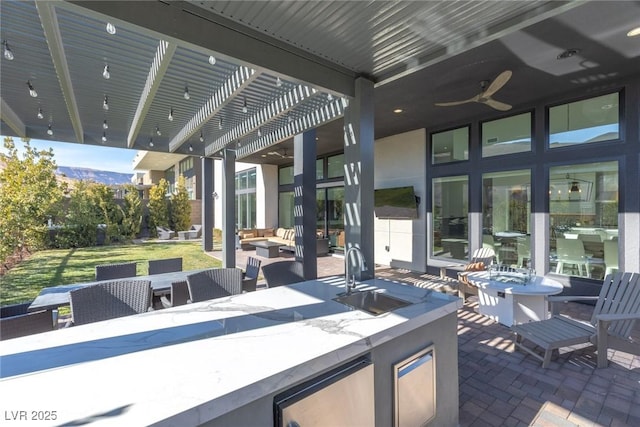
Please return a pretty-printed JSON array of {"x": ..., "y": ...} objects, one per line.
[{"x": 395, "y": 203}]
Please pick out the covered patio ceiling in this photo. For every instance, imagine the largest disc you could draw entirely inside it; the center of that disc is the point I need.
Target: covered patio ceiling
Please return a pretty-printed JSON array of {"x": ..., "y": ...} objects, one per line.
[{"x": 291, "y": 64}]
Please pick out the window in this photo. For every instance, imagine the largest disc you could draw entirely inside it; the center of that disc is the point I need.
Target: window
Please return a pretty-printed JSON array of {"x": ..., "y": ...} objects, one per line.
[
  {"x": 285, "y": 209},
  {"x": 170, "y": 176},
  {"x": 583, "y": 215},
  {"x": 450, "y": 146},
  {"x": 185, "y": 166},
  {"x": 450, "y": 210},
  {"x": 583, "y": 122},
  {"x": 286, "y": 175},
  {"x": 506, "y": 136},
  {"x": 506, "y": 210},
  {"x": 335, "y": 166},
  {"x": 246, "y": 199},
  {"x": 319, "y": 169}
]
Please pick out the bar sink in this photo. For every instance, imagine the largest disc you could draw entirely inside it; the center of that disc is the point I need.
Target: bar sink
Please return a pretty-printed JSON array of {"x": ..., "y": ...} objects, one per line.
[{"x": 372, "y": 302}]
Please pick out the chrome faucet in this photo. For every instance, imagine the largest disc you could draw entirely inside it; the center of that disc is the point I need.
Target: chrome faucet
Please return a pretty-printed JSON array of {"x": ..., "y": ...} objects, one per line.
[{"x": 351, "y": 284}]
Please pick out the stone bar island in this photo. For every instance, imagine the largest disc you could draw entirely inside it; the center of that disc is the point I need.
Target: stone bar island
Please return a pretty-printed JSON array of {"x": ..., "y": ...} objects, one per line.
[{"x": 223, "y": 362}]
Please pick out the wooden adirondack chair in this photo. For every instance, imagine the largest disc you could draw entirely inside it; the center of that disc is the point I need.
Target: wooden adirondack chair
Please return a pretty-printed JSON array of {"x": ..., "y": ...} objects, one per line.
[{"x": 616, "y": 310}]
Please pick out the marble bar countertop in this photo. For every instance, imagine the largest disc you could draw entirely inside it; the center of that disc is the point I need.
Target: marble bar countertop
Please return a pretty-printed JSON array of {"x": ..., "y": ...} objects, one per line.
[{"x": 190, "y": 364}]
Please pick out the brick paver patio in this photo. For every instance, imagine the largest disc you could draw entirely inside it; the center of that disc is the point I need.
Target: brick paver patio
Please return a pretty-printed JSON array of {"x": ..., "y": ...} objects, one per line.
[{"x": 503, "y": 387}]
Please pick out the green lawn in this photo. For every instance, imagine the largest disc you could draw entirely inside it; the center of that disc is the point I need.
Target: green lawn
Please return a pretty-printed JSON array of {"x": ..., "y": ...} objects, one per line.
[{"x": 65, "y": 266}]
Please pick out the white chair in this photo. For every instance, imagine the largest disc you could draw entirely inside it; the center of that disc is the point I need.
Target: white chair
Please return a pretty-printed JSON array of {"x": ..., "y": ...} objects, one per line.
[
  {"x": 610, "y": 256},
  {"x": 571, "y": 251},
  {"x": 524, "y": 249}
]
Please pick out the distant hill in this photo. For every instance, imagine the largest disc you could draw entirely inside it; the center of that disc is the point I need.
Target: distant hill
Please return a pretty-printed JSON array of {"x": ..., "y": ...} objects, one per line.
[{"x": 102, "y": 177}]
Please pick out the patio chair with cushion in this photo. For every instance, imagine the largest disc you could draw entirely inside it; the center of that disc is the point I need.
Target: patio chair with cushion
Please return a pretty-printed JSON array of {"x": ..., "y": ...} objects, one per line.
[
  {"x": 250, "y": 275},
  {"x": 179, "y": 295},
  {"x": 110, "y": 300},
  {"x": 481, "y": 259},
  {"x": 214, "y": 283},
  {"x": 283, "y": 273},
  {"x": 116, "y": 271},
  {"x": 616, "y": 310},
  {"x": 14, "y": 309},
  {"x": 19, "y": 325},
  {"x": 195, "y": 232},
  {"x": 167, "y": 265}
]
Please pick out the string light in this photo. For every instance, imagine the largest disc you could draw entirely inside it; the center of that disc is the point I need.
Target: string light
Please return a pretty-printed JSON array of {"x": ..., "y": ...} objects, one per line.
[
  {"x": 190, "y": 147},
  {"x": 158, "y": 131},
  {"x": 170, "y": 115},
  {"x": 150, "y": 142},
  {"x": 244, "y": 105},
  {"x": 104, "y": 137},
  {"x": 8, "y": 54},
  {"x": 212, "y": 60},
  {"x": 278, "y": 82},
  {"x": 50, "y": 131},
  {"x": 201, "y": 137},
  {"x": 220, "y": 124},
  {"x": 32, "y": 91},
  {"x": 105, "y": 125},
  {"x": 105, "y": 103},
  {"x": 111, "y": 29},
  {"x": 105, "y": 72},
  {"x": 186, "y": 92},
  {"x": 40, "y": 115}
]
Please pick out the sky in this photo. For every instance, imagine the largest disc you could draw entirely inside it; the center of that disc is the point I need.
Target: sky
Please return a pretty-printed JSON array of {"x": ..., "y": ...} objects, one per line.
[{"x": 84, "y": 156}]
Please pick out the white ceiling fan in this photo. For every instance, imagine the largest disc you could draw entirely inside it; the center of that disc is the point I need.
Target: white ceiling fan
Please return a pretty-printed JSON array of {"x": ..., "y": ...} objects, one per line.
[
  {"x": 486, "y": 92},
  {"x": 282, "y": 155}
]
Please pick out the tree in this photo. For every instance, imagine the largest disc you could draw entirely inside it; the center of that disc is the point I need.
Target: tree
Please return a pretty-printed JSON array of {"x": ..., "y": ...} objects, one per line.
[
  {"x": 131, "y": 212},
  {"x": 30, "y": 195},
  {"x": 158, "y": 206},
  {"x": 180, "y": 206}
]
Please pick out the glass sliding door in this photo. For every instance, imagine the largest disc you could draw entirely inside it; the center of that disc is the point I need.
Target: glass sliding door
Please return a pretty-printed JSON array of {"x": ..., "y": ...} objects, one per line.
[
  {"x": 450, "y": 234},
  {"x": 335, "y": 216}
]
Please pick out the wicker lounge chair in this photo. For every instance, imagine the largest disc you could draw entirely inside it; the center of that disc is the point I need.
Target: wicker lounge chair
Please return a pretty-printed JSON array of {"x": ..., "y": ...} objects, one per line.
[
  {"x": 616, "y": 310},
  {"x": 110, "y": 300},
  {"x": 250, "y": 276},
  {"x": 283, "y": 273},
  {"x": 214, "y": 283},
  {"x": 168, "y": 265},
  {"x": 116, "y": 271},
  {"x": 179, "y": 295},
  {"x": 165, "y": 234},
  {"x": 14, "y": 309},
  {"x": 19, "y": 325}
]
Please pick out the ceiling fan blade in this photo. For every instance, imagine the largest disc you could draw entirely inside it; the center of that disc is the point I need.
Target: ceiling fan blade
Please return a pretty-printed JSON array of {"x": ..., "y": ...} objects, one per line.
[
  {"x": 450, "y": 104},
  {"x": 501, "y": 106},
  {"x": 499, "y": 81}
]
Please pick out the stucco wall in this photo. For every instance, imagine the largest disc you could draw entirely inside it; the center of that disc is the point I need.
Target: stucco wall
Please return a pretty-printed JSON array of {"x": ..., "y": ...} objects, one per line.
[{"x": 400, "y": 161}]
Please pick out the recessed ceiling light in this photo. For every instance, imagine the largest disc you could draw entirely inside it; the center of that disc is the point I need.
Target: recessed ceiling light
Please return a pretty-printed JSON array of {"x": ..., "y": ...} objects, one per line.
[
  {"x": 634, "y": 32},
  {"x": 607, "y": 106},
  {"x": 398, "y": 110}
]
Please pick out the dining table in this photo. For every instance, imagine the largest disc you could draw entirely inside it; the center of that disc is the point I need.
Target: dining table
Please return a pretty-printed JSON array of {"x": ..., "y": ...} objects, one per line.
[{"x": 51, "y": 298}]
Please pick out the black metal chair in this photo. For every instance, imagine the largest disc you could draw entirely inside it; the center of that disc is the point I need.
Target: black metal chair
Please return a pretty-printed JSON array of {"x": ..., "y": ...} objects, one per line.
[
  {"x": 110, "y": 300},
  {"x": 283, "y": 273},
  {"x": 214, "y": 283},
  {"x": 116, "y": 271},
  {"x": 16, "y": 322},
  {"x": 167, "y": 265},
  {"x": 179, "y": 295},
  {"x": 250, "y": 277}
]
